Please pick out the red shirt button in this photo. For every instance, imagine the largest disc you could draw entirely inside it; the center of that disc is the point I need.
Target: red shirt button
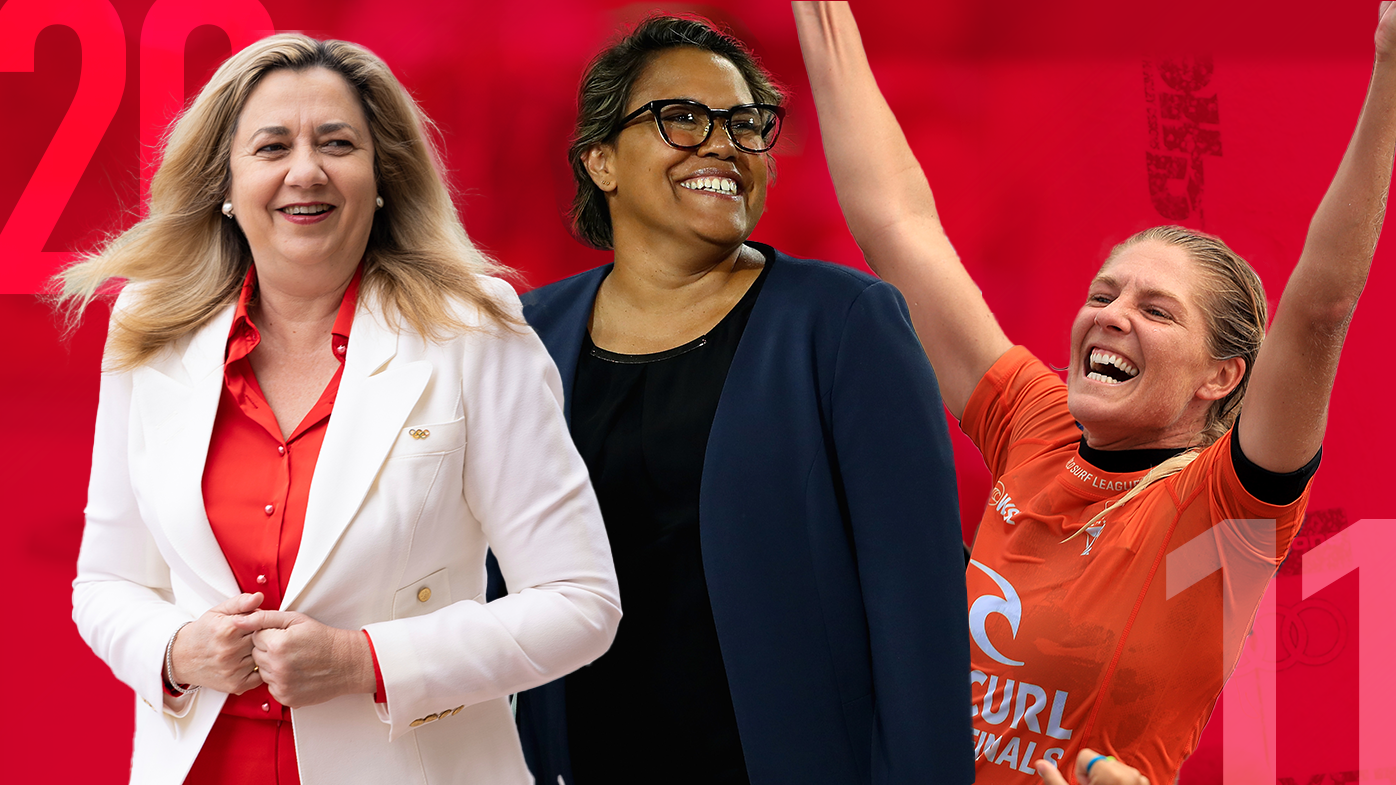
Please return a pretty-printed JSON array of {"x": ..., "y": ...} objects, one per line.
[{"x": 239, "y": 468}]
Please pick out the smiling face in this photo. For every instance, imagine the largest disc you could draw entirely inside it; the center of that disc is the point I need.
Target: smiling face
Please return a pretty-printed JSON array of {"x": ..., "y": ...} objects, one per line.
[
  {"x": 303, "y": 186},
  {"x": 714, "y": 194},
  {"x": 1141, "y": 371}
]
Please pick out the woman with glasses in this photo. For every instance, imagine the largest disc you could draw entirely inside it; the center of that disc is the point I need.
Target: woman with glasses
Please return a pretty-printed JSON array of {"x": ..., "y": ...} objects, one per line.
[{"x": 771, "y": 457}]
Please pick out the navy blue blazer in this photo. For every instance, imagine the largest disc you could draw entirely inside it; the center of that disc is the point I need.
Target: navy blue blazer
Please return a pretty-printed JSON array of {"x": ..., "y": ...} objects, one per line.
[{"x": 830, "y": 537}]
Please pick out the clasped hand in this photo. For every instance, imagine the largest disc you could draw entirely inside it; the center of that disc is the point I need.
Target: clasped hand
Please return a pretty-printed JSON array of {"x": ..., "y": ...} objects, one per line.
[{"x": 234, "y": 647}]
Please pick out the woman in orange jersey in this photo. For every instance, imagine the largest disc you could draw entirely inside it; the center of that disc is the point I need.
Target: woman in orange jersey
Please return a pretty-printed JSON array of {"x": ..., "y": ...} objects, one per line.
[{"x": 1117, "y": 566}]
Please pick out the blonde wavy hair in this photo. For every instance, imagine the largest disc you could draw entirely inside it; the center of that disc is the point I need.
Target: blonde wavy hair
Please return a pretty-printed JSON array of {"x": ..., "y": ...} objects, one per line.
[
  {"x": 190, "y": 261},
  {"x": 1233, "y": 299}
]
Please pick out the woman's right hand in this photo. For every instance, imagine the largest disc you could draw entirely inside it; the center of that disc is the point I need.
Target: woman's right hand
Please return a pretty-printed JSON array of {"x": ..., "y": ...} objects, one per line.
[
  {"x": 1104, "y": 772},
  {"x": 215, "y": 650}
]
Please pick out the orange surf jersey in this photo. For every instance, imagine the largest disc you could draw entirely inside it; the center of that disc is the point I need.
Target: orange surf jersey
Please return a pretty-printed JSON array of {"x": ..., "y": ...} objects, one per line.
[{"x": 1120, "y": 638}]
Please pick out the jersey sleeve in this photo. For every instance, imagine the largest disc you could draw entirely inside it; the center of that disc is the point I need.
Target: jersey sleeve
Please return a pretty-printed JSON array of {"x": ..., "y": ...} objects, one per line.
[
  {"x": 1018, "y": 410},
  {"x": 1247, "y": 527}
]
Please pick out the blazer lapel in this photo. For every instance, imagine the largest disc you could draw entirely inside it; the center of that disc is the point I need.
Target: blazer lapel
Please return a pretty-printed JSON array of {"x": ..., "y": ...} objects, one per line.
[
  {"x": 177, "y": 399},
  {"x": 370, "y": 411},
  {"x": 559, "y": 314}
]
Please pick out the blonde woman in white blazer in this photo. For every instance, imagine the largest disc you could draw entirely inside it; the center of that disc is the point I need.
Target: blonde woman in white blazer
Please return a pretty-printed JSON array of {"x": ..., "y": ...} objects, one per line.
[{"x": 307, "y": 160}]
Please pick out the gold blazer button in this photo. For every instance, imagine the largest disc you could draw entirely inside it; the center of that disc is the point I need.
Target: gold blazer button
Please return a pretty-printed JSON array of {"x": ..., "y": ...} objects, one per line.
[{"x": 424, "y": 594}]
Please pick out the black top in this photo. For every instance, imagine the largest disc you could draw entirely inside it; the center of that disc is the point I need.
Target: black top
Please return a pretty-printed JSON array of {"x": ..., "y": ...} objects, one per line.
[{"x": 657, "y": 706}]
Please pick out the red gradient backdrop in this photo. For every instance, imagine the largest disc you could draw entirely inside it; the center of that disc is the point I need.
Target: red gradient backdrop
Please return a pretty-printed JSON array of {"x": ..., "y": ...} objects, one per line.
[{"x": 1049, "y": 132}]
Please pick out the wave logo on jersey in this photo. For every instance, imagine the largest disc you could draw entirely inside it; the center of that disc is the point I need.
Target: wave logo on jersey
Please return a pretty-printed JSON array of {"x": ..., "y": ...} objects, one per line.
[
  {"x": 1007, "y": 605},
  {"x": 1003, "y": 503}
]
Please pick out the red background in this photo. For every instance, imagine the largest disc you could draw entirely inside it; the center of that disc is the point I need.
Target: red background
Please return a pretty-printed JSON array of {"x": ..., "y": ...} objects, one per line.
[{"x": 1033, "y": 125}]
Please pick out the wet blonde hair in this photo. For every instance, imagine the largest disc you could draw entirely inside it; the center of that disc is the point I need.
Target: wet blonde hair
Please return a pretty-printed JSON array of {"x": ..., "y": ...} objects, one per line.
[
  {"x": 1233, "y": 300},
  {"x": 191, "y": 261}
]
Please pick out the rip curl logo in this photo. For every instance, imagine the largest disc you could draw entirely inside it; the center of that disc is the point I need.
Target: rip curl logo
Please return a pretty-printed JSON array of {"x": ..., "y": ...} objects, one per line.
[
  {"x": 1008, "y": 605},
  {"x": 1003, "y": 503}
]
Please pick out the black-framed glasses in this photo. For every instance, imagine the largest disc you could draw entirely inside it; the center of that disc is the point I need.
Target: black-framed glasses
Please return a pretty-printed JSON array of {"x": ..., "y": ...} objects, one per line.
[{"x": 686, "y": 125}]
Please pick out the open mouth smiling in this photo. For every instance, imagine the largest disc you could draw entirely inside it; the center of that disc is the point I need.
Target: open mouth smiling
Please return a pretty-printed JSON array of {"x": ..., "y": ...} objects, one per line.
[
  {"x": 717, "y": 185},
  {"x": 1109, "y": 368},
  {"x": 307, "y": 209}
]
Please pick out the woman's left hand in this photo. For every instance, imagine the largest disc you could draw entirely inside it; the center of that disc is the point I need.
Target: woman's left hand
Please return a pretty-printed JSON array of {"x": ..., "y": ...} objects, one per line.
[
  {"x": 304, "y": 662},
  {"x": 1386, "y": 30}
]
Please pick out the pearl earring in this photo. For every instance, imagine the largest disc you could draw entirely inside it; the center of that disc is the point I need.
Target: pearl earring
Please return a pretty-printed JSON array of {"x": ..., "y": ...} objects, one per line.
[
  {"x": 227, "y": 209},
  {"x": 379, "y": 201}
]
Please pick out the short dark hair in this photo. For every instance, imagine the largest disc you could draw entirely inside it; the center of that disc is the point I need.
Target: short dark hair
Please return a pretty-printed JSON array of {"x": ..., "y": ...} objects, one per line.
[{"x": 605, "y": 92}]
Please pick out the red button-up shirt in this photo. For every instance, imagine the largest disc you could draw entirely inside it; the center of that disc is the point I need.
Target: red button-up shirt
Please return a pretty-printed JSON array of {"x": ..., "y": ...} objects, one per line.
[{"x": 256, "y": 484}]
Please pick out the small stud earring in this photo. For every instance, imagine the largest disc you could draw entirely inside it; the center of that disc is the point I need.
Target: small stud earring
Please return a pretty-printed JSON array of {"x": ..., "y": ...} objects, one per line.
[
  {"x": 379, "y": 202},
  {"x": 227, "y": 209}
]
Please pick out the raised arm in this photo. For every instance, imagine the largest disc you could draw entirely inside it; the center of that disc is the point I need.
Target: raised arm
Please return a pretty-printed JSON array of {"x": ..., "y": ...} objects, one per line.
[
  {"x": 1286, "y": 407},
  {"x": 889, "y": 207}
]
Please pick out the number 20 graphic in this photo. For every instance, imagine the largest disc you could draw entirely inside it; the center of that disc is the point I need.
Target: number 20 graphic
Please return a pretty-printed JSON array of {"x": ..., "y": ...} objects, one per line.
[{"x": 24, "y": 264}]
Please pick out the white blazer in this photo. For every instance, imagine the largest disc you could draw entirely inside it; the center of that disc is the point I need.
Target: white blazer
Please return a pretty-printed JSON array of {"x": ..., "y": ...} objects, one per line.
[{"x": 388, "y": 516}]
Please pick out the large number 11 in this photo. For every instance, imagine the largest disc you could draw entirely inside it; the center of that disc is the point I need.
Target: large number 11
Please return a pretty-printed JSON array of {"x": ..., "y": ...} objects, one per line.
[
  {"x": 24, "y": 264},
  {"x": 1248, "y": 724}
]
